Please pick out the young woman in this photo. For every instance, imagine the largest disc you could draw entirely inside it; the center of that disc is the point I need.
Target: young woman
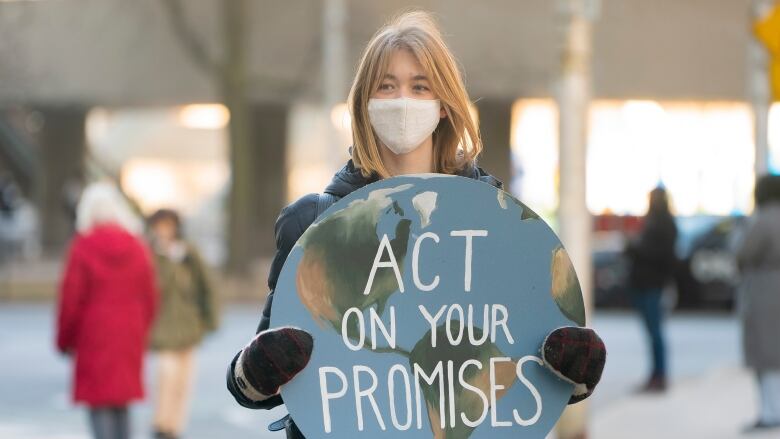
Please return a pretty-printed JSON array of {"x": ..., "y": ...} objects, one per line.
[
  {"x": 188, "y": 311},
  {"x": 410, "y": 114},
  {"x": 107, "y": 302},
  {"x": 653, "y": 260}
]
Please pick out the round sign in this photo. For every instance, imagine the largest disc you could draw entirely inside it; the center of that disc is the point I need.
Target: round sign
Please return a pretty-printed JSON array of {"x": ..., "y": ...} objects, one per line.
[{"x": 429, "y": 297}]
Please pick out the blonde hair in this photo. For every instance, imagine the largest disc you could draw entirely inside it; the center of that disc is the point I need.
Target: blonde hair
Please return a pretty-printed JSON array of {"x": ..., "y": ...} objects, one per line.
[
  {"x": 101, "y": 203},
  {"x": 456, "y": 141}
]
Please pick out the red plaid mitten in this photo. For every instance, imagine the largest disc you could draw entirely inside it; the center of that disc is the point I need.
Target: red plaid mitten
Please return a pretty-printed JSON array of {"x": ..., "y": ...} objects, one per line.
[
  {"x": 576, "y": 355},
  {"x": 271, "y": 360}
]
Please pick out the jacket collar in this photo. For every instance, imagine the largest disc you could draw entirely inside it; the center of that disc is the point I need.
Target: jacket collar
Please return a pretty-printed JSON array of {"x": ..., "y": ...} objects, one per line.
[{"x": 349, "y": 178}]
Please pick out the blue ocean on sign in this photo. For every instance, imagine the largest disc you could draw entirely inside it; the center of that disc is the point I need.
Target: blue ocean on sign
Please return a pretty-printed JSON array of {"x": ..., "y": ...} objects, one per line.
[{"x": 429, "y": 297}]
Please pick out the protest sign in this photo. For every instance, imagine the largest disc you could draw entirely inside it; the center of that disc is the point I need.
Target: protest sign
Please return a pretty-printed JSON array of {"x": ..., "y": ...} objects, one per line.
[{"x": 429, "y": 297}]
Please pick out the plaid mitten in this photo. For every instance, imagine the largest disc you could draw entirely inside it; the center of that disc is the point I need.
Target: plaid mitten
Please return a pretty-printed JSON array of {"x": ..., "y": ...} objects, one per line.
[
  {"x": 271, "y": 360},
  {"x": 576, "y": 355}
]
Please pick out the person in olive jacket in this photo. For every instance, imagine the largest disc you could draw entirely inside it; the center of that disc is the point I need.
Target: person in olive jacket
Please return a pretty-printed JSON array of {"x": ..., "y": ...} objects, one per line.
[{"x": 188, "y": 311}]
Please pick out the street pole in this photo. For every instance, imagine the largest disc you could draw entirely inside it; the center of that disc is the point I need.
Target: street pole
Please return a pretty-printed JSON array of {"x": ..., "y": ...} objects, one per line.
[
  {"x": 758, "y": 89},
  {"x": 574, "y": 93},
  {"x": 334, "y": 74}
]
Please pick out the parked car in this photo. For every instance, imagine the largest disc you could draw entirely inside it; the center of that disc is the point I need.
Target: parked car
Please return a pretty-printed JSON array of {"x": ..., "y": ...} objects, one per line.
[
  {"x": 19, "y": 225},
  {"x": 706, "y": 274}
]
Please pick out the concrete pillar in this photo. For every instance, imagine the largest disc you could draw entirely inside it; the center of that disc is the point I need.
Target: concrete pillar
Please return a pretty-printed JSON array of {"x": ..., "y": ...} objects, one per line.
[
  {"x": 62, "y": 141},
  {"x": 269, "y": 174},
  {"x": 17, "y": 157},
  {"x": 573, "y": 217},
  {"x": 334, "y": 72},
  {"x": 759, "y": 89},
  {"x": 495, "y": 123}
]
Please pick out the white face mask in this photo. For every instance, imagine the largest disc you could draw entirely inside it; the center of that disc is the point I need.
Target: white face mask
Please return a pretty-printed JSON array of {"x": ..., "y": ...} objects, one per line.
[{"x": 403, "y": 124}]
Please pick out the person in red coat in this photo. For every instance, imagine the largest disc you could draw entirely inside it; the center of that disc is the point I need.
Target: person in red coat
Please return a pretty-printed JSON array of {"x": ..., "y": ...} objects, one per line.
[{"x": 107, "y": 303}]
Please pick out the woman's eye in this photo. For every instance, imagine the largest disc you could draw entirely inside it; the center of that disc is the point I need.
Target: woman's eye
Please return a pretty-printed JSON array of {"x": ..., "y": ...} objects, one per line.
[
  {"x": 421, "y": 88},
  {"x": 386, "y": 87}
]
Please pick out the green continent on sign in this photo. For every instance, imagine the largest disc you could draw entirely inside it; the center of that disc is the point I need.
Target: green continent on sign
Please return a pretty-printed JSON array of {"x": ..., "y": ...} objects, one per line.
[
  {"x": 467, "y": 401},
  {"x": 565, "y": 288},
  {"x": 338, "y": 254}
]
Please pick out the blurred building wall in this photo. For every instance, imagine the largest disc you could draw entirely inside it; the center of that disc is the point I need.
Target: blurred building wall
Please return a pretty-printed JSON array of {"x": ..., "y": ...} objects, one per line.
[
  {"x": 112, "y": 52},
  {"x": 85, "y": 53}
]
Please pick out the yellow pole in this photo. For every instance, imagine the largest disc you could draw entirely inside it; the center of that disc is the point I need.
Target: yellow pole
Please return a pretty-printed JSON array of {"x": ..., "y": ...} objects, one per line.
[{"x": 763, "y": 52}]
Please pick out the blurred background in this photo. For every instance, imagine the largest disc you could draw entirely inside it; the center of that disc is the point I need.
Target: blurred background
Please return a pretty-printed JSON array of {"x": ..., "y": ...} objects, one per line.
[{"x": 228, "y": 110}]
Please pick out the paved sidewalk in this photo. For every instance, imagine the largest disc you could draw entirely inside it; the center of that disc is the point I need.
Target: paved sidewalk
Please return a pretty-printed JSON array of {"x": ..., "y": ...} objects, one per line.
[
  {"x": 715, "y": 405},
  {"x": 712, "y": 397}
]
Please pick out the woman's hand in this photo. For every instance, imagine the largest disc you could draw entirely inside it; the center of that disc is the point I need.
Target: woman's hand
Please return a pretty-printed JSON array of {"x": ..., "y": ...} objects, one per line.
[
  {"x": 576, "y": 355},
  {"x": 271, "y": 360}
]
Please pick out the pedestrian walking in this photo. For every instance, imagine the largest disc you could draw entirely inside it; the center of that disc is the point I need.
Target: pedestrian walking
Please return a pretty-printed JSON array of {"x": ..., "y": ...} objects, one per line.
[
  {"x": 188, "y": 311},
  {"x": 652, "y": 263},
  {"x": 107, "y": 302},
  {"x": 759, "y": 261}
]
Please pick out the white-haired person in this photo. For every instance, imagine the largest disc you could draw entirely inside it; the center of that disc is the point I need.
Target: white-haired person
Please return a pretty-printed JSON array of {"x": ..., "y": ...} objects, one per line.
[
  {"x": 410, "y": 115},
  {"x": 107, "y": 303}
]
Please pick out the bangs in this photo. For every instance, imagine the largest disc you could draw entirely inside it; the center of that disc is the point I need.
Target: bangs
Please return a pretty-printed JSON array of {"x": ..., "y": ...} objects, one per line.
[{"x": 387, "y": 45}]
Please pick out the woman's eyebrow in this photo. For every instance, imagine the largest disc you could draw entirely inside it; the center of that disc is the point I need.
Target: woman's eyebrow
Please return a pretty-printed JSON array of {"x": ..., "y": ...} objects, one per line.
[{"x": 419, "y": 77}]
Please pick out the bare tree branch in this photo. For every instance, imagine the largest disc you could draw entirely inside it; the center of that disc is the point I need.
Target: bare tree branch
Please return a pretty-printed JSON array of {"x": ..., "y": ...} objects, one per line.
[{"x": 188, "y": 38}]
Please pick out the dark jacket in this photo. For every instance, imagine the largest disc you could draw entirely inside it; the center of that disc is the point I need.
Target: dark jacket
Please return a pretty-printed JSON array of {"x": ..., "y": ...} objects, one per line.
[
  {"x": 293, "y": 220},
  {"x": 652, "y": 256}
]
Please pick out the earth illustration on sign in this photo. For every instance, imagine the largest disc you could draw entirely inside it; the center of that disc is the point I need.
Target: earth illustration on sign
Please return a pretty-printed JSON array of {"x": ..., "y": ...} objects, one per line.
[{"x": 429, "y": 297}]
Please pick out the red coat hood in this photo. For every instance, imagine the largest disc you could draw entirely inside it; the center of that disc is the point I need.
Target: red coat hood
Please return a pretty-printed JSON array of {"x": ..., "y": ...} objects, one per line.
[{"x": 109, "y": 244}]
